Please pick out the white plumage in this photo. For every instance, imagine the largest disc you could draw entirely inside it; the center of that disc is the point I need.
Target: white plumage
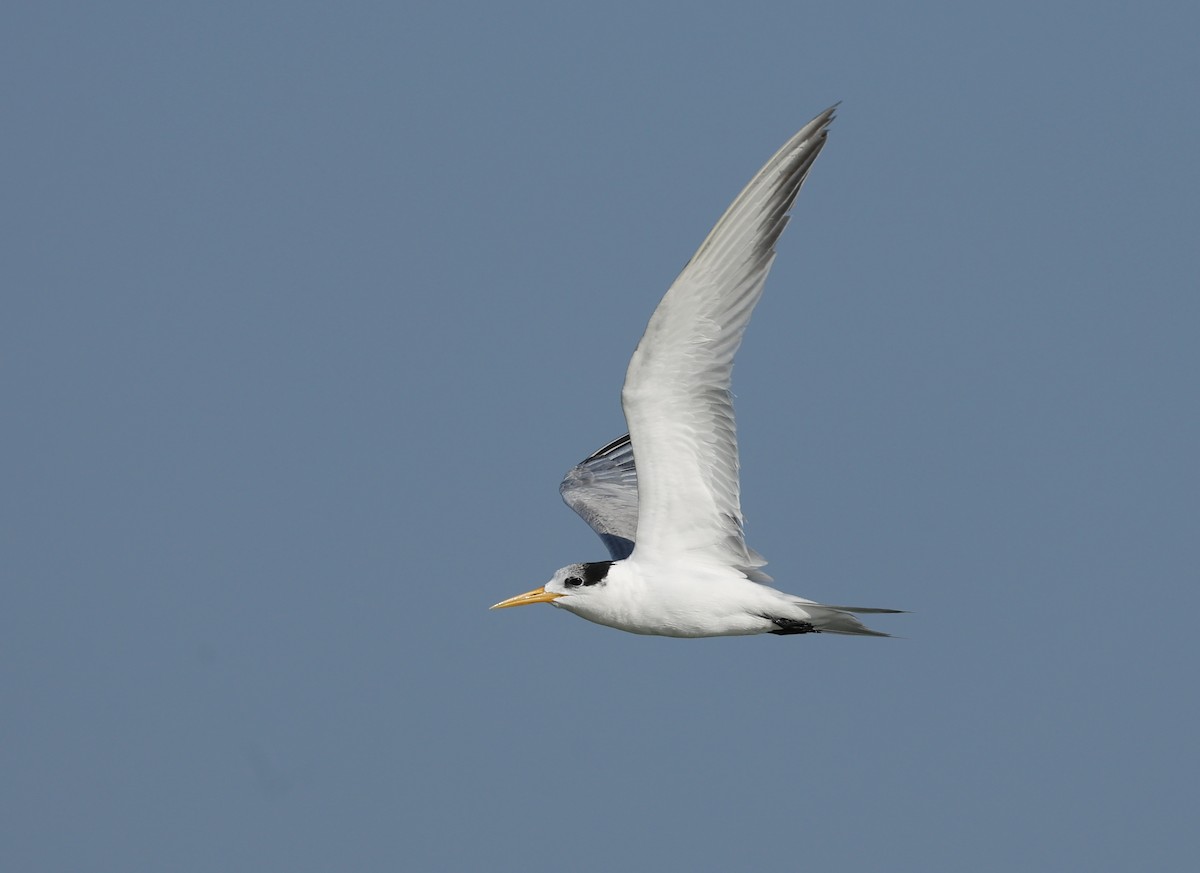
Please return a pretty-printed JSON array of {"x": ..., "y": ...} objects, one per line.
[{"x": 672, "y": 521}]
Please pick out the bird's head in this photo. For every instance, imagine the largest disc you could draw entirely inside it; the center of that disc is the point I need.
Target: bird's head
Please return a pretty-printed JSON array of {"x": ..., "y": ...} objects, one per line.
[{"x": 568, "y": 588}]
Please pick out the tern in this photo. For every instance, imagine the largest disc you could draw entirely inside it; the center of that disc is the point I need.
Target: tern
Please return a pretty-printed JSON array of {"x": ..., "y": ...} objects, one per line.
[{"x": 664, "y": 498}]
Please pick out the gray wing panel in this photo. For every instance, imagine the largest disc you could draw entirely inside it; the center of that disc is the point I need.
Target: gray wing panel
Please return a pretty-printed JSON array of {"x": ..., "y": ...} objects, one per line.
[{"x": 602, "y": 489}]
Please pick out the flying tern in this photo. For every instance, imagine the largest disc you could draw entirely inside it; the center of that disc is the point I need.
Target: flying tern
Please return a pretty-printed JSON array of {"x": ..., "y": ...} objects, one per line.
[{"x": 664, "y": 498}]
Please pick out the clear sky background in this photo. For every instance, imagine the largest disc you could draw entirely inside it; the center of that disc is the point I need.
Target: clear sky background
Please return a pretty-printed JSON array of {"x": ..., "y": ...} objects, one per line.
[{"x": 307, "y": 308}]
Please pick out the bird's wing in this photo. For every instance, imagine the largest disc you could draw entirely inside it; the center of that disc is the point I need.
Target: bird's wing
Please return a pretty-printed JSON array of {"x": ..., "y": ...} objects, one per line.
[
  {"x": 677, "y": 396},
  {"x": 602, "y": 488}
]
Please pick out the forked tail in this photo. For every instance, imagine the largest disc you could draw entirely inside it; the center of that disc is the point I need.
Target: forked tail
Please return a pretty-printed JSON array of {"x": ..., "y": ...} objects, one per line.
[{"x": 839, "y": 619}]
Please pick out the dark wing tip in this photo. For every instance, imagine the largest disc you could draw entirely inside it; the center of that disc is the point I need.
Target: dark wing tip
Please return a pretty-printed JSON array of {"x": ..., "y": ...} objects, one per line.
[{"x": 611, "y": 448}]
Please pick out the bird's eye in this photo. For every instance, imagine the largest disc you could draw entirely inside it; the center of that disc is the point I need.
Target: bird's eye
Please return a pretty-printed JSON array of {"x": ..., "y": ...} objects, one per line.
[{"x": 573, "y": 582}]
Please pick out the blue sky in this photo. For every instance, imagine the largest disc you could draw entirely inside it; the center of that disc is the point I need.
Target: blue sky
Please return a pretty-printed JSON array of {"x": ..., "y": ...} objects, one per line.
[{"x": 307, "y": 307}]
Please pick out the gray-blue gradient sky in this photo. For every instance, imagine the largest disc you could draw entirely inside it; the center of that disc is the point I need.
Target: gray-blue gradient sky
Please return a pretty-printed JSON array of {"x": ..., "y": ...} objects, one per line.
[{"x": 307, "y": 307}]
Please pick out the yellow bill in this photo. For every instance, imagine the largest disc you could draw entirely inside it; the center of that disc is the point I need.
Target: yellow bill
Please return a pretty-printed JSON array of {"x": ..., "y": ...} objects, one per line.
[{"x": 537, "y": 595}]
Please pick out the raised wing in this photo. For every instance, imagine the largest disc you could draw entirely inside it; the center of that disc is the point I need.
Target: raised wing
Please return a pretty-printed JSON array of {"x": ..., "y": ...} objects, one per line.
[
  {"x": 677, "y": 389},
  {"x": 602, "y": 488}
]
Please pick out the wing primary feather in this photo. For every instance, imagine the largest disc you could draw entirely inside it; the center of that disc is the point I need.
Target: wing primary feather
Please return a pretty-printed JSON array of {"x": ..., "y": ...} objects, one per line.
[{"x": 602, "y": 489}]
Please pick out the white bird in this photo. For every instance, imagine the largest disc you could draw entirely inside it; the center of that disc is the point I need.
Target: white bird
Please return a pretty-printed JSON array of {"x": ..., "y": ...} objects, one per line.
[{"x": 680, "y": 566}]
